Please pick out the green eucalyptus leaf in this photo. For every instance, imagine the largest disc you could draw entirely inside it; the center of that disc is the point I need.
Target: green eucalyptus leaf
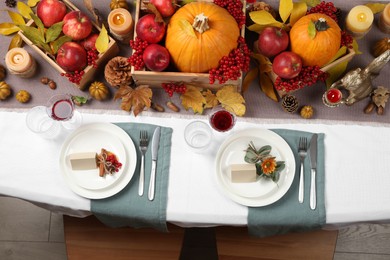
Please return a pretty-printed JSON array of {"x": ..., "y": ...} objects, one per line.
[
  {"x": 265, "y": 150},
  {"x": 53, "y": 32},
  {"x": 37, "y": 22},
  {"x": 33, "y": 34},
  {"x": 44, "y": 46},
  {"x": 55, "y": 45}
]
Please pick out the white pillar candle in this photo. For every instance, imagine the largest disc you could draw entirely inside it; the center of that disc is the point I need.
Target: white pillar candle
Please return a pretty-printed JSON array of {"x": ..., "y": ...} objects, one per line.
[
  {"x": 384, "y": 20},
  {"x": 359, "y": 21},
  {"x": 20, "y": 62},
  {"x": 121, "y": 24}
]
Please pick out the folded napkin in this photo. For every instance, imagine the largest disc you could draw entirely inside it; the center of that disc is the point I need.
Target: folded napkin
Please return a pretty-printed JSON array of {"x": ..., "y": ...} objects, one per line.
[
  {"x": 127, "y": 208},
  {"x": 287, "y": 214}
]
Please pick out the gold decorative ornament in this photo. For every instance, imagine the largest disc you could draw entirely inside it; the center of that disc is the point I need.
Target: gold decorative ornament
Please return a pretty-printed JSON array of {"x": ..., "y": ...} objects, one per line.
[
  {"x": 23, "y": 96},
  {"x": 307, "y": 112},
  {"x": 114, "y": 4},
  {"x": 2, "y": 72},
  {"x": 99, "y": 91},
  {"x": 381, "y": 46},
  {"x": 5, "y": 90},
  {"x": 118, "y": 72}
]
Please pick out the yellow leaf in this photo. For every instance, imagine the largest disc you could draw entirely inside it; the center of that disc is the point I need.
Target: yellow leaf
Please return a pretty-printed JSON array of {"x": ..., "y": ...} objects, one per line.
[
  {"x": 267, "y": 87},
  {"x": 15, "y": 42},
  {"x": 187, "y": 28},
  {"x": 260, "y": 27},
  {"x": 24, "y": 10},
  {"x": 194, "y": 99},
  {"x": 311, "y": 3},
  {"x": 211, "y": 99},
  {"x": 16, "y": 18},
  {"x": 311, "y": 30},
  {"x": 32, "y": 3},
  {"x": 341, "y": 52},
  {"x": 231, "y": 100},
  {"x": 264, "y": 62},
  {"x": 285, "y": 8},
  {"x": 376, "y": 7},
  {"x": 8, "y": 28},
  {"x": 102, "y": 40},
  {"x": 262, "y": 17},
  {"x": 335, "y": 73},
  {"x": 135, "y": 99},
  {"x": 249, "y": 77},
  {"x": 299, "y": 10},
  {"x": 355, "y": 47}
]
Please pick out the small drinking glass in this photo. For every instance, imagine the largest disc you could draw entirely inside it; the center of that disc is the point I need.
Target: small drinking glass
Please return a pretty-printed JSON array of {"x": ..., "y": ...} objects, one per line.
[
  {"x": 38, "y": 122},
  {"x": 198, "y": 135},
  {"x": 222, "y": 120}
]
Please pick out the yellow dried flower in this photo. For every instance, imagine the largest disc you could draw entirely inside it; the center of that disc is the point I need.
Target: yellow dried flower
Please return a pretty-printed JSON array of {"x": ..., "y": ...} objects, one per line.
[
  {"x": 23, "y": 96},
  {"x": 268, "y": 165}
]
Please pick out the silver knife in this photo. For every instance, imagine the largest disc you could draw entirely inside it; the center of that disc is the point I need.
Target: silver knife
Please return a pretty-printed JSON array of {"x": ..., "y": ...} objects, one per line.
[
  {"x": 313, "y": 158},
  {"x": 155, "y": 143}
]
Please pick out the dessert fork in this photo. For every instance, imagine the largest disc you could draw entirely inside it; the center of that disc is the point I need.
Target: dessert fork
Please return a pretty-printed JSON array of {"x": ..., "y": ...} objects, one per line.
[
  {"x": 143, "y": 147},
  {"x": 302, "y": 151}
]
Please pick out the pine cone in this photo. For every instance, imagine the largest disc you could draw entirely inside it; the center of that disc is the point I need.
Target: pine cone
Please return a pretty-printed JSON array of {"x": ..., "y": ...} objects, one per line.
[
  {"x": 2, "y": 72},
  {"x": 290, "y": 103},
  {"x": 118, "y": 72},
  {"x": 10, "y": 3}
]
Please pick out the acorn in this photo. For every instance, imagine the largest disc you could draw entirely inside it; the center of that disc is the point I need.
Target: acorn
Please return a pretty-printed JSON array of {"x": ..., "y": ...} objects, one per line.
[{"x": 2, "y": 72}]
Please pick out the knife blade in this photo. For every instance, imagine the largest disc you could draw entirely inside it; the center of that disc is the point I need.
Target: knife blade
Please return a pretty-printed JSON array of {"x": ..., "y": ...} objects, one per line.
[
  {"x": 313, "y": 159},
  {"x": 155, "y": 144}
]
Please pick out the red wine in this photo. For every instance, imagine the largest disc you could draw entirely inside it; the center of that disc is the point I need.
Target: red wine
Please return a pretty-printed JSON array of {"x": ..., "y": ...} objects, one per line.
[
  {"x": 62, "y": 110},
  {"x": 222, "y": 120}
]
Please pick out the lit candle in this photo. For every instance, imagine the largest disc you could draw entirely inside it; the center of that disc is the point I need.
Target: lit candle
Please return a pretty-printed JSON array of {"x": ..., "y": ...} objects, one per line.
[
  {"x": 359, "y": 21},
  {"x": 20, "y": 62},
  {"x": 121, "y": 24},
  {"x": 384, "y": 20},
  {"x": 332, "y": 97}
]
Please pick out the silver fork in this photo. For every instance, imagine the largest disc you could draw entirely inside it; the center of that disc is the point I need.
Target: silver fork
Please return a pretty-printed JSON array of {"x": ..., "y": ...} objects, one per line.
[
  {"x": 143, "y": 147},
  {"x": 302, "y": 151}
]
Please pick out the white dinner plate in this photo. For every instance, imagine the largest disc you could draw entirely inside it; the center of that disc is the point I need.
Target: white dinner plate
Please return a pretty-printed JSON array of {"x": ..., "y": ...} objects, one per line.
[
  {"x": 92, "y": 138},
  {"x": 264, "y": 191}
]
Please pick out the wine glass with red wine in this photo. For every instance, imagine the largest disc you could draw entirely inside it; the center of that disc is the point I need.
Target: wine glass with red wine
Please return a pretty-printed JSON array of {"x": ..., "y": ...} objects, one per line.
[
  {"x": 222, "y": 120},
  {"x": 62, "y": 108}
]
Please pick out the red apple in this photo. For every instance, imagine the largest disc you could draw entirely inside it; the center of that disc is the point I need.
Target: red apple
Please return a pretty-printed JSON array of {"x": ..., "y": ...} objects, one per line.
[
  {"x": 165, "y": 7},
  {"x": 77, "y": 25},
  {"x": 149, "y": 30},
  {"x": 287, "y": 65},
  {"x": 51, "y": 11},
  {"x": 272, "y": 41},
  {"x": 156, "y": 57},
  {"x": 71, "y": 56},
  {"x": 90, "y": 41}
]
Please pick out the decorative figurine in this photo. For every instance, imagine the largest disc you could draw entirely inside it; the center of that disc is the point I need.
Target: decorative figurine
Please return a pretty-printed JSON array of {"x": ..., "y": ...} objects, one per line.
[
  {"x": 379, "y": 98},
  {"x": 358, "y": 82}
]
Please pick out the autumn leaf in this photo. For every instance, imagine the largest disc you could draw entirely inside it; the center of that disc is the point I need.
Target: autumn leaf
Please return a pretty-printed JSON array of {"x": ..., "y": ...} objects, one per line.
[
  {"x": 299, "y": 10},
  {"x": 260, "y": 27},
  {"x": 53, "y": 32},
  {"x": 265, "y": 65},
  {"x": 211, "y": 99},
  {"x": 24, "y": 10},
  {"x": 335, "y": 73},
  {"x": 134, "y": 99},
  {"x": 311, "y": 3},
  {"x": 376, "y": 7},
  {"x": 267, "y": 87},
  {"x": 8, "y": 28},
  {"x": 102, "y": 41},
  {"x": 355, "y": 47},
  {"x": 249, "y": 77},
  {"x": 285, "y": 8},
  {"x": 16, "y": 18},
  {"x": 263, "y": 17},
  {"x": 231, "y": 100},
  {"x": 187, "y": 28},
  {"x": 341, "y": 52},
  {"x": 194, "y": 99},
  {"x": 55, "y": 45},
  {"x": 16, "y": 41},
  {"x": 311, "y": 29},
  {"x": 32, "y": 3}
]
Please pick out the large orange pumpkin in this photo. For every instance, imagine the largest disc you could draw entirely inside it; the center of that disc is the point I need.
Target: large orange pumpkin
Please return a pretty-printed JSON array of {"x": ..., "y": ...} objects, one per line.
[
  {"x": 320, "y": 48},
  {"x": 198, "y": 46}
]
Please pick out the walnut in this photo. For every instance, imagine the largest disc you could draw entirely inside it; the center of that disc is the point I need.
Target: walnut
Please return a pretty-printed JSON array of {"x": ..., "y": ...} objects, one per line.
[
  {"x": 2, "y": 72},
  {"x": 118, "y": 72}
]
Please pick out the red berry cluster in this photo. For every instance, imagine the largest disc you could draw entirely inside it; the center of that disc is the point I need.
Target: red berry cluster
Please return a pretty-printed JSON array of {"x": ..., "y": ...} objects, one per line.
[
  {"x": 172, "y": 87},
  {"x": 346, "y": 39},
  {"x": 138, "y": 45},
  {"x": 308, "y": 76},
  {"x": 234, "y": 7},
  {"x": 114, "y": 162},
  {"x": 92, "y": 56},
  {"x": 327, "y": 8},
  {"x": 74, "y": 77},
  {"x": 230, "y": 67}
]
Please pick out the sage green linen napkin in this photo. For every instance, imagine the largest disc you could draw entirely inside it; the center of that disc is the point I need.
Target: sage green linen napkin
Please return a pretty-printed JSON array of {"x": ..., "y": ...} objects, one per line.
[
  {"x": 287, "y": 214},
  {"x": 127, "y": 208}
]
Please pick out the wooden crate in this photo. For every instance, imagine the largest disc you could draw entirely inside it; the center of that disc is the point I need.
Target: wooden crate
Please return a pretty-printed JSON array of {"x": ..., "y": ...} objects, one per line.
[
  {"x": 154, "y": 79},
  {"x": 89, "y": 71}
]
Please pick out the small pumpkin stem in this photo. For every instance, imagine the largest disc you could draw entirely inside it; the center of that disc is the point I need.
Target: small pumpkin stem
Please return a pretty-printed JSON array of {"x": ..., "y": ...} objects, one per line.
[
  {"x": 321, "y": 25},
  {"x": 200, "y": 23}
]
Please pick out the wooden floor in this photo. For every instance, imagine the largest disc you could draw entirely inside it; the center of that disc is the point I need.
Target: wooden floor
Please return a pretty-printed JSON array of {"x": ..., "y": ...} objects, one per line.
[
  {"x": 89, "y": 238},
  {"x": 28, "y": 232}
]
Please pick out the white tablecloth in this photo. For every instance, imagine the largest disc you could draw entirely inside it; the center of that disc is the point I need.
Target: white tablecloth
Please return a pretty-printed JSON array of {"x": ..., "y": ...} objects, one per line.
[{"x": 357, "y": 171}]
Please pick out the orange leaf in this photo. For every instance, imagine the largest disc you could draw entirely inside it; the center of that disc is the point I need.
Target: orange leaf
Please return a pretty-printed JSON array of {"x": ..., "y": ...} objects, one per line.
[
  {"x": 267, "y": 87},
  {"x": 249, "y": 77},
  {"x": 134, "y": 99}
]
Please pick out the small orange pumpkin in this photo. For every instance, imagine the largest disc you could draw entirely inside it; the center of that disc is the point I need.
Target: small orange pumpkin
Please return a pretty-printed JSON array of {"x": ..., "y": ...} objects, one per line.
[
  {"x": 320, "y": 48},
  {"x": 199, "y": 34}
]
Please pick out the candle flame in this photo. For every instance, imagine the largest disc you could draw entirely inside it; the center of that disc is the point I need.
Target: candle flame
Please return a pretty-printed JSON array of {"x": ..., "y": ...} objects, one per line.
[
  {"x": 118, "y": 19},
  {"x": 362, "y": 17}
]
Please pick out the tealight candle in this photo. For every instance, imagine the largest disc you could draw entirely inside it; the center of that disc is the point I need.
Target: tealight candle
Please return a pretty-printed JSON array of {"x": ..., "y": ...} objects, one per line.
[
  {"x": 384, "y": 20},
  {"x": 332, "y": 97},
  {"x": 20, "y": 62},
  {"x": 359, "y": 21},
  {"x": 121, "y": 24}
]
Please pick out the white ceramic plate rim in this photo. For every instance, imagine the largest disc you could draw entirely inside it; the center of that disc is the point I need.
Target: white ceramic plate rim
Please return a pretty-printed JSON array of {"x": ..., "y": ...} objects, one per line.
[
  {"x": 128, "y": 170},
  {"x": 287, "y": 175}
]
